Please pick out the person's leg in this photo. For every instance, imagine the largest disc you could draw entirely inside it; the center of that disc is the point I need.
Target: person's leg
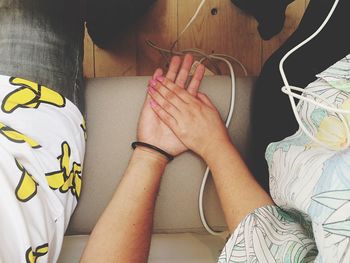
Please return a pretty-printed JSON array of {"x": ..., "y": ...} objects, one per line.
[
  {"x": 42, "y": 133},
  {"x": 273, "y": 118},
  {"x": 42, "y": 41}
]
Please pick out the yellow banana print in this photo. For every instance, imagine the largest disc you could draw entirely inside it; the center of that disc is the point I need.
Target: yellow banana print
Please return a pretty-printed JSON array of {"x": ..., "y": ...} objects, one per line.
[
  {"x": 64, "y": 158},
  {"x": 27, "y": 187},
  {"x": 83, "y": 127},
  {"x": 16, "y": 136},
  {"x": 57, "y": 178},
  {"x": 77, "y": 179},
  {"x": 74, "y": 181},
  {"x": 66, "y": 179},
  {"x": 30, "y": 95},
  {"x": 32, "y": 256}
]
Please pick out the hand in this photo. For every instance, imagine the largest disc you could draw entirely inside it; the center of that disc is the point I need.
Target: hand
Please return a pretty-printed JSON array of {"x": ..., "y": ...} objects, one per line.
[
  {"x": 151, "y": 129},
  {"x": 193, "y": 119}
]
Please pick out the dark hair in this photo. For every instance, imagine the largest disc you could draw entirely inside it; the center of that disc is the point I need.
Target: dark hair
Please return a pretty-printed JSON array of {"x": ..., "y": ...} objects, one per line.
[
  {"x": 107, "y": 20},
  {"x": 270, "y": 14}
]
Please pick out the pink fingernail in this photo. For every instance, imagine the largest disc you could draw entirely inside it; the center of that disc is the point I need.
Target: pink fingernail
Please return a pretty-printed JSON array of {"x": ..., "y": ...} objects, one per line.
[
  {"x": 153, "y": 103},
  {"x": 151, "y": 90},
  {"x": 153, "y": 83},
  {"x": 160, "y": 78}
]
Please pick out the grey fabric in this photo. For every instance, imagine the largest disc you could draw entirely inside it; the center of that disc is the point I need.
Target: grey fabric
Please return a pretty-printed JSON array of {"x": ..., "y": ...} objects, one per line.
[
  {"x": 113, "y": 107},
  {"x": 42, "y": 41}
]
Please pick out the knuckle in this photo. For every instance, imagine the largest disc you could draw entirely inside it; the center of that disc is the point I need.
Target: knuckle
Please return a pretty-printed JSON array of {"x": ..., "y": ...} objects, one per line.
[
  {"x": 166, "y": 106},
  {"x": 168, "y": 119},
  {"x": 168, "y": 96},
  {"x": 183, "y": 131},
  {"x": 177, "y": 89}
]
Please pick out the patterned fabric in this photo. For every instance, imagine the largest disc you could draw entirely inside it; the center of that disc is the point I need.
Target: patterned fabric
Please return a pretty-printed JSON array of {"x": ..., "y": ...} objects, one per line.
[
  {"x": 42, "y": 144},
  {"x": 309, "y": 184}
]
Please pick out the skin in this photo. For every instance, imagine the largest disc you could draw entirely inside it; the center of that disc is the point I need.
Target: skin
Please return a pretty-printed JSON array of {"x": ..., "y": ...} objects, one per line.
[
  {"x": 174, "y": 118},
  {"x": 197, "y": 123},
  {"x": 123, "y": 232}
]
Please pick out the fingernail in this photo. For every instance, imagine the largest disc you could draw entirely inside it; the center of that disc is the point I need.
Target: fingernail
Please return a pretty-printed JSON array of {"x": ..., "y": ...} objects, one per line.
[
  {"x": 153, "y": 103},
  {"x": 153, "y": 83},
  {"x": 160, "y": 78},
  {"x": 151, "y": 90}
]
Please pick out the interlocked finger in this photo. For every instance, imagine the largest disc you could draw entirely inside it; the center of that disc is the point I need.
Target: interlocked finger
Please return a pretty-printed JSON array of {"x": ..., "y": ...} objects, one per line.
[
  {"x": 168, "y": 86},
  {"x": 163, "y": 103},
  {"x": 193, "y": 87},
  {"x": 184, "y": 71},
  {"x": 163, "y": 115},
  {"x": 173, "y": 68}
]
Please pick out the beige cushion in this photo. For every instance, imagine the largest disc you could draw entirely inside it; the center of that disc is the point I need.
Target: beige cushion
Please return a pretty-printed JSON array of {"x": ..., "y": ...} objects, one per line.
[
  {"x": 113, "y": 106},
  {"x": 165, "y": 248}
]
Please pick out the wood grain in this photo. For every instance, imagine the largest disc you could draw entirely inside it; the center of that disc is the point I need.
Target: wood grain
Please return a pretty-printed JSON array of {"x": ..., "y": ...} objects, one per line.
[
  {"x": 88, "y": 63},
  {"x": 306, "y": 3},
  {"x": 229, "y": 31},
  {"x": 294, "y": 14},
  {"x": 159, "y": 26}
]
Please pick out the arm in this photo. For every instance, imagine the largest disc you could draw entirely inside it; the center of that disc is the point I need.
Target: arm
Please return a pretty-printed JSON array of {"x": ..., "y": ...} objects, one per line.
[
  {"x": 195, "y": 120},
  {"x": 123, "y": 232},
  {"x": 238, "y": 190}
]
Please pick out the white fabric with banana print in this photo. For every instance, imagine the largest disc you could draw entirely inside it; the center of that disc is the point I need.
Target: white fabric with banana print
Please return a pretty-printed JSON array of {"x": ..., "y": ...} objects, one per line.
[
  {"x": 42, "y": 145},
  {"x": 310, "y": 185}
]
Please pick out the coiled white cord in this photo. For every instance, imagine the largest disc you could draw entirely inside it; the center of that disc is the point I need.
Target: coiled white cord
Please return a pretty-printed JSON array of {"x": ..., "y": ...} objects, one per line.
[
  {"x": 221, "y": 57},
  {"x": 224, "y": 58},
  {"x": 227, "y": 123},
  {"x": 287, "y": 89}
]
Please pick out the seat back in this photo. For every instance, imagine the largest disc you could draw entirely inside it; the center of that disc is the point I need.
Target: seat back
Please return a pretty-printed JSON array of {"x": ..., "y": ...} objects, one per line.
[{"x": 113, "y": 106}]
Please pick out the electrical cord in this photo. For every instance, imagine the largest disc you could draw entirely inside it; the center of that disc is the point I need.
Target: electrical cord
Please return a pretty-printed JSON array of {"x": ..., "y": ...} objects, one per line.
[
  {"x": 202, "y": 57},
  {"x": 228, "y": 118},
  {"x": 287, "y": 89}
]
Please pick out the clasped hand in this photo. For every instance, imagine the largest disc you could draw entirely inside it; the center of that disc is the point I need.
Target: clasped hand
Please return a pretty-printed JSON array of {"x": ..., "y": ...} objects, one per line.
[{"x": 176, "y": 118}]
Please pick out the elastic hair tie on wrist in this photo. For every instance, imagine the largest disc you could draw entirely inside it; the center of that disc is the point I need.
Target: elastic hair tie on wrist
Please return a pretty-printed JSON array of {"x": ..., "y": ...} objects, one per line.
[{"x": 150, "y": 146}]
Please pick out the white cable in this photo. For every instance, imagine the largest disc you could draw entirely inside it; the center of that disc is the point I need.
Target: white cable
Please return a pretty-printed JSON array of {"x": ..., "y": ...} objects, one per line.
[
  {"x": 331, "y": 107},
  {"x": 193, "y": 18},
  {"x": 221, "y": 57},
  {"x": 227, "y": 123},
  {"x": 189, "y": 23},
  {"x": 287, "y": 89},
  {"x": 229, "y": 117}
]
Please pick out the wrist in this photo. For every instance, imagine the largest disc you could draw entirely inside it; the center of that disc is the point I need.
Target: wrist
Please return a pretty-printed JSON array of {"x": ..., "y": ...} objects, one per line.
[
  {"x": 149, "y": 155},
  {"x": 215, "y": 148},
  {"x": 165, "y": 154}
]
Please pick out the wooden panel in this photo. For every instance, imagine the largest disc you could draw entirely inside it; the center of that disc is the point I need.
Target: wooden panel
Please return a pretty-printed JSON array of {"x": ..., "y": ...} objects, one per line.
[
  {"x": 294, "y": 14},
  {"x": 121, "y": 61},
  {"x": 88, "y": 63},
  {"x": 306, "y": 3},
  {"x": 229, "y": 31},
  {"x": 160, "y": 27}
]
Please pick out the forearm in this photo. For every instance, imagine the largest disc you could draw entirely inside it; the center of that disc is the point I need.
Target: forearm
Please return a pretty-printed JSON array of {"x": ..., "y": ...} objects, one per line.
[
  {"x": 238, "y": 191},
  {"x": 123, "y": 232}
]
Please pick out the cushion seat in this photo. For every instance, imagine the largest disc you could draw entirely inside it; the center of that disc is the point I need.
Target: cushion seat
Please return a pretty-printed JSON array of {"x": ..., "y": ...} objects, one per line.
[{"x": 113, "y": 106}]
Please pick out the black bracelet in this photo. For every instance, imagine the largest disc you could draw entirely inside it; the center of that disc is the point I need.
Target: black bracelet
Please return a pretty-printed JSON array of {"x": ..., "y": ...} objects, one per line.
[{"x": 150, "y": 146}]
